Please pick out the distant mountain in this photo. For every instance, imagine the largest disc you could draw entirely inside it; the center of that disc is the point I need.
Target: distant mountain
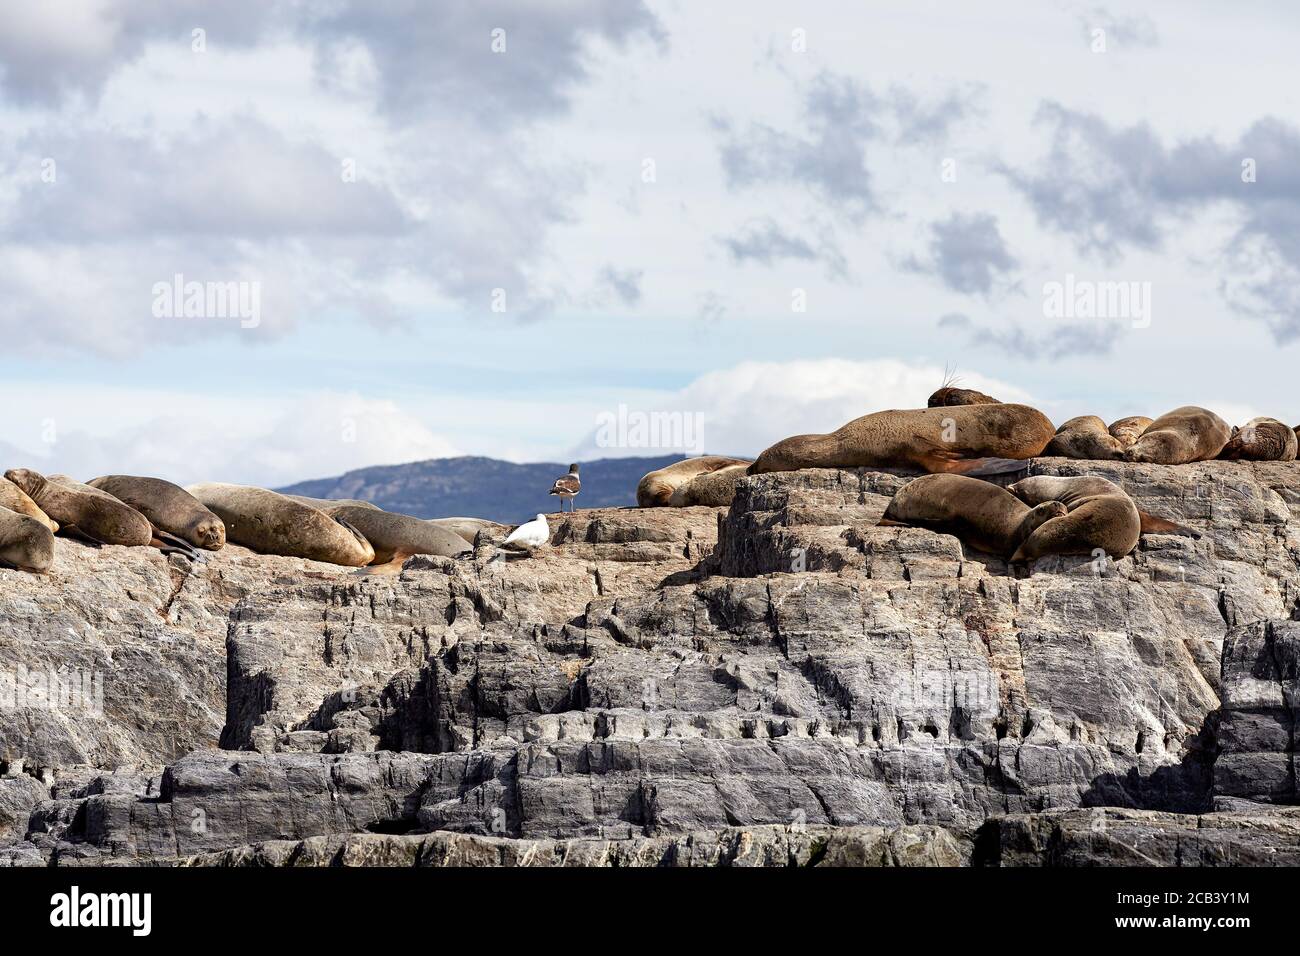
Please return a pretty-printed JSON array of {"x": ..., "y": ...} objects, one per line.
[{"x": 483, "y": 487}]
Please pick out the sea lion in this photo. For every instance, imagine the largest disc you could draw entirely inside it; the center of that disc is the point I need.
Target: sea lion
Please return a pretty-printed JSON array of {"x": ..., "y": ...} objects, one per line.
[
  {"x": 946, "y": 439},
  {"x": 1262, "y": 439},
  {"x": 713, "y": 488},
  {"x": 15, "y": 499},
  {"x": 170, "y": 508},
  {"x": 83, "y": 511},
  {"x": 1069, "y": 491},
  {"x": 1105, "y": 525},
  {"x": 26, "y": 543},
  {"x": 1186, "y": 434},
  {"x": 271, "y": 523},
  {"x": 395, "y": 537},
  {"x": 164, "y": 541},
  {"x": 656, "y": 488},
  {"x": 467, "y": 528},
  {"x": 950, "y": 395},
  {"x": 1085, "y": 437},
  {"x": 1100, "y": 516},
  {"x": 321, "y": 504},
  {"x": 983, "y": 515},
  {"x": 1128, "y": 430}
]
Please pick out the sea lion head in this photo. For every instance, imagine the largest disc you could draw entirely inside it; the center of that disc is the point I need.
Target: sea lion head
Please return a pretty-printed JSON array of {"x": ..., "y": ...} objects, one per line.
[
  {"x": 1038, "y": 515},
  {"x": 1153, "y": 447},
  {"x": 951, "y": 395},
  {"x": 208, "y": 532},
  {"x": 31, "y": 482}
]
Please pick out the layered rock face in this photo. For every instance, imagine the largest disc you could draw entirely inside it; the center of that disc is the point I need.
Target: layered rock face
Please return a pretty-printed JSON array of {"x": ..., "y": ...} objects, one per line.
[{"x": 782, "y": 682}]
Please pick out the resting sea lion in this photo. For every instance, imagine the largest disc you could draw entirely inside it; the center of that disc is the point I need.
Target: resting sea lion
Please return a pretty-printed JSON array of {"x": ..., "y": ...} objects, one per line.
[
  {"x": 321, "y": 504},
  {"x": 15, "y": 499},
  {"x": 84, "y": 511},
  {"x": 1186, "y": 434},
  {"x": 271, "y": 523},
  {"x": 1262, "y": 439},
  {"x": 933, "y": 439},
  {"x": 1085, "y": 437},
  {"x": 164, "y": 541},
  {"x": 467, "y": 528},
  {"x": 170, "y": 508},
  {"x": 714, "y": 488},
  {"x": 1128, "y": 430},
  {"x": 657, "y": 487},
  {"x": 1107, "y": 525},
  {"x": 1100, "y": 516},
  {"x": 981, "y": 514},
  {"x": 396, "y": 537},
  {"x": 950, "y": 395},
  {"x": 25, "y": 542}
]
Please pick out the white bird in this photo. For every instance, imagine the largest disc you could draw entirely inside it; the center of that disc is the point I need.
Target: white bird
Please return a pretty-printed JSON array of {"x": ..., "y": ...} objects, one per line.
[{"x": 528, "y": 536}]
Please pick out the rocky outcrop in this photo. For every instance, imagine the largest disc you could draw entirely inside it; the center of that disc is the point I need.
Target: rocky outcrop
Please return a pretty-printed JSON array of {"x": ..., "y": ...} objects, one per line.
[
  {"x": 779, "y": 682},
  {"x": 1261, "y": 696}
]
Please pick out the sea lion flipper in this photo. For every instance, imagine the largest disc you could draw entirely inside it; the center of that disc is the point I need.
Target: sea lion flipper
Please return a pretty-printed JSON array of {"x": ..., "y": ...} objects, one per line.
[
  {"x": 72, "y": 531},
  {"x": 170, "y": 544},
  {"x": 387, "y": 569},
  {"x": 890, "y": 523},
  {"x": 169, "y": 540},
  {"x": 1153, "y": 525},
  {"x": 986, "y": 467}
]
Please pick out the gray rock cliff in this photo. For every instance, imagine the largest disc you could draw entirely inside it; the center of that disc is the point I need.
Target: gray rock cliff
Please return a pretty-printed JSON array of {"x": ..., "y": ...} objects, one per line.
[{"x": 781, "y": 682}]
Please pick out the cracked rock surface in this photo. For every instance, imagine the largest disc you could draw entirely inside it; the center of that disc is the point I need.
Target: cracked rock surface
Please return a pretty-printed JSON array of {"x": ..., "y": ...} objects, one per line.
[{"x": 777, "y": 683}]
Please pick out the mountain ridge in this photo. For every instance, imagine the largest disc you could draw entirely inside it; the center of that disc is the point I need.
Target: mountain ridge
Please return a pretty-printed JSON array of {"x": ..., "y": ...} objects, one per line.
[{"x": 482, "y": 487}]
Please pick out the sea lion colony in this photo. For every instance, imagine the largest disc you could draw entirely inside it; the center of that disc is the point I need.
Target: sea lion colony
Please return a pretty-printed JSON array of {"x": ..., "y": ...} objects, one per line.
[{"x": 962, "y": 435}]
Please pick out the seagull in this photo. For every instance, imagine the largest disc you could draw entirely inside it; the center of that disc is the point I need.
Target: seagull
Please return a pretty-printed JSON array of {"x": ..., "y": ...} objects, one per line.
[
  {"x": 528, "y": 536},
  {"x": 567, "y": 486}
]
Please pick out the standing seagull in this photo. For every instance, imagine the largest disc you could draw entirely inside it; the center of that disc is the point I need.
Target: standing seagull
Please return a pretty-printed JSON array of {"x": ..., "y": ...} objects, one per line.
[{"x": 567, "y": 486}]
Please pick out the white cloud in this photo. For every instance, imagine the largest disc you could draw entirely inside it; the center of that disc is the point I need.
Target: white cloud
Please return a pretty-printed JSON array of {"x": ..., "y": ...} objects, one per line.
[{"x": 318, "y": 435}]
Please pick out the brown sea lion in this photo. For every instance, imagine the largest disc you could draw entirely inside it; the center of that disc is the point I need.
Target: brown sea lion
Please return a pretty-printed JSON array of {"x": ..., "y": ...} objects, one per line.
[
  {"x": 656, "y": 488},
  {"x": 26, "y": 543},
  {"x": 170, "y": 508},
  {"x": 1101, "y": 517},
  {"x": 467, "y": 528},
  {"x": 713, "y": 488},
  {"x": 1261, "y": 439},
  {"x": 1186, "y": 434},
  {"x": 162, "y": 540},
  {"x": 1128, "y": 430},
  {"x": 946, "y": 439},
  {"x": 1112, "y": 526},
  {"x": 395, "y": 537},
  {"x": 1085, "y": 437},
  {"x": 271, "y": 523},
  {"x": 83, "y": 511},
  {"x": 1069, "y": 491},
  {"x": 950, "y": 395},
  {"x": 15, "y": 499},
  {"x": 983, "y": 515}
]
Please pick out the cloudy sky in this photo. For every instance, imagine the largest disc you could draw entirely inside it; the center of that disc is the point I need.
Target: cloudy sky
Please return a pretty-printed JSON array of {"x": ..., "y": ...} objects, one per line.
[{"x": 482, "y": 227}]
